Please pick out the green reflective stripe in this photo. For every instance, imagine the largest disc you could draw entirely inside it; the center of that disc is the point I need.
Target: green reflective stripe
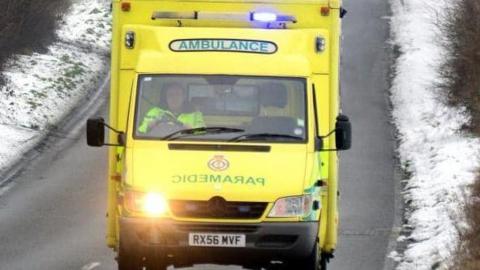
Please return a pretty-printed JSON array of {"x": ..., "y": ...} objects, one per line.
[
  {"x": 199, "y": 122},
  {"x": 152, "y": 115},
  {"x": 194, "y": 119},
  {"x": 155, "y": 112}
]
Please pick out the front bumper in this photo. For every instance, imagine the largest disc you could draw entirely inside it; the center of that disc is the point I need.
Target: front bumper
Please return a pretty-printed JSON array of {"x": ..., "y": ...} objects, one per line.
[{"x": 264, "y": 241}]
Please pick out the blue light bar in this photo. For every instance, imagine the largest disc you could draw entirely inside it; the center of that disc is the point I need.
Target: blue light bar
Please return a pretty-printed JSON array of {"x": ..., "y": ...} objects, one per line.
[{"x": 264, "y": 17}]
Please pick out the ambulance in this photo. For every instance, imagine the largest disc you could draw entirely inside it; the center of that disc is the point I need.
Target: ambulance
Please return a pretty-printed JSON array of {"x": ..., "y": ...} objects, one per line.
[{"x": 224, "y": 130}]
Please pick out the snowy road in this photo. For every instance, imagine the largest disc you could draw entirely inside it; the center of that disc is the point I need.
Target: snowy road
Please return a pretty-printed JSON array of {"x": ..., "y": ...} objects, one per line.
[{"x": 52, "y": 215}]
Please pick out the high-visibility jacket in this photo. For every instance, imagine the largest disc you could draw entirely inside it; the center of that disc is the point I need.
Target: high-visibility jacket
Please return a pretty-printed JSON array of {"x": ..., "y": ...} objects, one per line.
[{"x": 192, "y": 119}]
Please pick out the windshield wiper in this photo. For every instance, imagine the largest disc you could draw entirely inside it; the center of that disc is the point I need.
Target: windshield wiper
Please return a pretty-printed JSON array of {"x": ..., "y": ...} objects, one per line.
[
  {"x": 246, "y": 137},
  {"x": 201, "y": 131}
]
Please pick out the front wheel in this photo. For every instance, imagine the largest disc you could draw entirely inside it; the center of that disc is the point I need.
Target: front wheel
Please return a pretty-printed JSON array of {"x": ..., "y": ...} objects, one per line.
[
  {"x": 156, "y": 265},
  {"x": 129, "y": 259},
  {"x": 156, "y": 260},
  {"x": 315, "y": 261}
]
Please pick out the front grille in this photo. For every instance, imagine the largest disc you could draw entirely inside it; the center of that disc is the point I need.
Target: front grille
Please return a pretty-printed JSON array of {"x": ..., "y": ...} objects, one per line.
[
  {"x": 217, "y": 228},
  {"x": 222, "y": 210},
  {"x": 276, "y": 241}
]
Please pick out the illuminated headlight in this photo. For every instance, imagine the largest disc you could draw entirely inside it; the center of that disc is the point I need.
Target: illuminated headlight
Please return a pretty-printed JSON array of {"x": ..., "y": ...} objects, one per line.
[
  {"x": 152, "y": 204},
  {"x": 292, "y": 207}
]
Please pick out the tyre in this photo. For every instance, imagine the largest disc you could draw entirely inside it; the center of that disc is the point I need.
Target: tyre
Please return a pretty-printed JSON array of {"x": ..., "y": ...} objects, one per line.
[
  {"x": 315, "y": 261},
  {"x": 156, "y": 260},
  {"x": 129, "y": 259},
  {"x": 156, "y": 265}
]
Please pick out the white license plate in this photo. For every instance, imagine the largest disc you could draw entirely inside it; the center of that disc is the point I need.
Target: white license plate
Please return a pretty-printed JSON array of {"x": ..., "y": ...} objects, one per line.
[{"x": 216, "y": 240}]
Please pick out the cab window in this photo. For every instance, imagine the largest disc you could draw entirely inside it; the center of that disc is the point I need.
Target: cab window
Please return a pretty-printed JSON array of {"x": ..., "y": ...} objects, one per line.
[{"x": 221, "y": 108}]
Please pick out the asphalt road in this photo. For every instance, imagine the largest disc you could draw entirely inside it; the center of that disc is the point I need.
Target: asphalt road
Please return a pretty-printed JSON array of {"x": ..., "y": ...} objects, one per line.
[
  {"x": 52, "y": 215},
  {"x": 369, "y": 182}
]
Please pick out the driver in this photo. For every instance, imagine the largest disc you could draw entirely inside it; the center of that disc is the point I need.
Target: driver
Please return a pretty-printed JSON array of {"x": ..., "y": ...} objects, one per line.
[{"x": 176, "y": 110}]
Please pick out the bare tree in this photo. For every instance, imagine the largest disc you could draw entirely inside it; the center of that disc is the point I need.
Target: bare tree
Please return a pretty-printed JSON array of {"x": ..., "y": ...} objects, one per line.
[{"x": 28, "y": 25}]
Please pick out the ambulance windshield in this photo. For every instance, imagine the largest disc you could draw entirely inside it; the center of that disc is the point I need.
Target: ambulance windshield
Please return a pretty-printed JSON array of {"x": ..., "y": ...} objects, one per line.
[{"x": 221, "y": 108}]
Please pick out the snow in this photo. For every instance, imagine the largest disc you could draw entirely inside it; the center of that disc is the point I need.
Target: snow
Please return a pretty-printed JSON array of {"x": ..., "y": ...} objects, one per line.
[
  {"x": 42, "y": 89},
  {"x": 440, "y": 159}
]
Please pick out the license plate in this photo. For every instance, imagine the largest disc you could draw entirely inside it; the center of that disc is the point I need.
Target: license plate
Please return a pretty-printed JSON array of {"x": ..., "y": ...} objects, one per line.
[{"x": 216, "y": 240}]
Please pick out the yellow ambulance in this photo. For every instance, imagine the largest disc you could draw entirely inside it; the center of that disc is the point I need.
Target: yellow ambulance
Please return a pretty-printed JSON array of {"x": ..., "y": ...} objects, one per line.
[{"x": 224, "y": 129}]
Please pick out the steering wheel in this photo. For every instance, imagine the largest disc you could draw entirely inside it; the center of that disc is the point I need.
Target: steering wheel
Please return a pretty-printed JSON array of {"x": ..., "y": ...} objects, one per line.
[
  {"x": 169, "y": 119},
  {"x": 165, "y": 125}
]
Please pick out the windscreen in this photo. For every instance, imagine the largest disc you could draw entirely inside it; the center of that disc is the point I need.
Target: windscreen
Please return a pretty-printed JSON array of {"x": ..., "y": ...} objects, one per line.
[{"x": 220, "y": 108}]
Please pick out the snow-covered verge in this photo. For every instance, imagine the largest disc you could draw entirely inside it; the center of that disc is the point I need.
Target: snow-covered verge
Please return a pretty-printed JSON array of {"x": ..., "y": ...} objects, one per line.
[
  {"x": 41, "y": 89},
  {"x": 440, "y": 159}
]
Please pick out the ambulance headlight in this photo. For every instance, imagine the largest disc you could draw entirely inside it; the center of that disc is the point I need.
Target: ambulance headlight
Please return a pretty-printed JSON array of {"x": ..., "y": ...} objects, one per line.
[
  {"x": 152, "y": 204},
  {"x": 292, "y": 207}
]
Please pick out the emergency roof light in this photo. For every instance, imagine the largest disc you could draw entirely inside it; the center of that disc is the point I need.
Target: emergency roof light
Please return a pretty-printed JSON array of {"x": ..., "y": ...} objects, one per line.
[
  {"x": 269, "y": 17},
  {"x": 264, "y": 17},
  {"x": 175, "y": 15}
]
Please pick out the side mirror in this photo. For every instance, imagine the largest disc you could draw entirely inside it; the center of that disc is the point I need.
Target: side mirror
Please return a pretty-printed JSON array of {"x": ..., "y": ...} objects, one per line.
[
  {"x": 343, "y": 133},
  {"x": 96, "y": 132}
]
